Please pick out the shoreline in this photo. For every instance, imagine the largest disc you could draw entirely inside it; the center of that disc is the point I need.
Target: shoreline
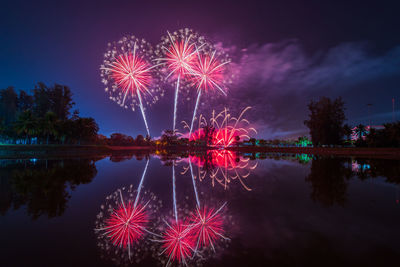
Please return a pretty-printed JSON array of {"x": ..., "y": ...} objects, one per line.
[{"x": 42, "y": 151}]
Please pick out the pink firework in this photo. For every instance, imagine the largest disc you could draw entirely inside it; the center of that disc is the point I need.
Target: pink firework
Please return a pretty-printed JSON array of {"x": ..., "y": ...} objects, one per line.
[
  {"x": 208, "y": 227},
  {"x": 126, "y": 224},
  {"x": 129, "y": 76},
  {"x": 180, "y": 57},
  {"x": 178, "y": 52},
  {"x": 178, "y": 242},
  {"x": 225, "y": 137},
  {"x": 197, "y": 135},
  {"x": 208, "y": 73},
  {"x": 132, "y": 73}
]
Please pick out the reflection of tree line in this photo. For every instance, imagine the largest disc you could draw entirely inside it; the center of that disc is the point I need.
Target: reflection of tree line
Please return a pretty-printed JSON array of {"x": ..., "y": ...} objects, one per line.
[
  {"x": 44, "y": 190},
  {"x": 44, "y": 185},
  {"x": 329, "y": 176}
]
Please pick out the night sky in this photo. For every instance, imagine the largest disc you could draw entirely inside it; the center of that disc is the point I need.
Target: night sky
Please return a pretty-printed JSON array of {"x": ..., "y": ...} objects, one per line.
[{"x": 288, "y": 52}]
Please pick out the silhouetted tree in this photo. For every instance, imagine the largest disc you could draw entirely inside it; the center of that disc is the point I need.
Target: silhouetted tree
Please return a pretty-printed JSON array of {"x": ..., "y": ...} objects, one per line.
[
  {"x": 326, "y": 121},
  {"x": 25, "y": 101},
  {"x": 347, "y": 131},
  {"x": 26, "y": 125},
  {"x": 48, "y": 125},
  {"x": 328, "y": 178},
  {"x": 8, "y": 105}
]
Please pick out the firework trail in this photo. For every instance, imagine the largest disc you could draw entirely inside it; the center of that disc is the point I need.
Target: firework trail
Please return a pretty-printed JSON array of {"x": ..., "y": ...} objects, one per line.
[
  {"x": 207, "y": 224},
  {"x": 177, "y": 52},
  {"x": 177, "y": 240},
  {"x": 208, "y": 75},
  {"x": 229, "y": 128},
  {"x": 228, "y": 167},
  {"x": 128, "y": 74},
  {"x": 226, "y": 129},
  {"x": 129, "y": 221}
]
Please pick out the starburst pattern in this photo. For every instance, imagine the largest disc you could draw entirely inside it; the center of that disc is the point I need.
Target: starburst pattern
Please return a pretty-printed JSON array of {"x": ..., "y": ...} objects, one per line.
[
  {"x": 207, "y": 227},
  {"x": 178, "y": 242},
  {"x": 129, "y": 76},
  {"x": 126, "y": 225},
  {"x": 177, "y": 52},
  {"x": 208, "y": 73},
  {"x": 132, "y": 74}
]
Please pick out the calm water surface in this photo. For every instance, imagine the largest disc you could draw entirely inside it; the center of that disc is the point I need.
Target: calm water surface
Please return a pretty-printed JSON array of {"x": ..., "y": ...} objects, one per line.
[{"x": 272, "y": 210}]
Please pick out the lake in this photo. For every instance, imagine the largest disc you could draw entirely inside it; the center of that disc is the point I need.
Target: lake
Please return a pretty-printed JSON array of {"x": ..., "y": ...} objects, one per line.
[{"x": 227, "y": 209}]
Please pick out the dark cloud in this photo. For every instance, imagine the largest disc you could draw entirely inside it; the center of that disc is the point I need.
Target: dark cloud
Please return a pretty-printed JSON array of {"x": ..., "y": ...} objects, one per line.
[{"x": 279, "y": 79}]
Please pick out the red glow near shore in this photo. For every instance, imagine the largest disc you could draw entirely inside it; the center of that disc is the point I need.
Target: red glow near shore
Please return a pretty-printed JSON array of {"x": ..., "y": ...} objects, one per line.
[
  {"x": 178, "y": 242},
  {"x": 225, "y": 137},
  {"x": 126, "y": 224}
]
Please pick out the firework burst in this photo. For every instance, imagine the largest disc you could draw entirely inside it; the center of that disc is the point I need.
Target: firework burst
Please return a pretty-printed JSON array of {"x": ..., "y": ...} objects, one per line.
[
  {"x": 178, "y": 242},
  {"x": 221, "y": 167},
  {"x": 177, "y": 52},
  {"x": 124, "y": 221},
  {"x": 207, "y": 227},
  {"x": 226, "y": 130},
  {"x": 127, "y": 224},
  {"x": 208, "y": 75},
  {"x": 129, "y": 75}
]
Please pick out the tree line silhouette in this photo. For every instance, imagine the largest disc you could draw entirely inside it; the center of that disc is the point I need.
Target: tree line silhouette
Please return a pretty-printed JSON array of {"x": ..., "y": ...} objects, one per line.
[
  {"x": 43, "y": 117},
  {"x": 326, "y": 125}
]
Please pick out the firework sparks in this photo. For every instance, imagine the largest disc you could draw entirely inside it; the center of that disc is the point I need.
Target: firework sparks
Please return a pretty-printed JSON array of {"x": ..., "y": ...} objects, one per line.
[
  {"x": 128, "y": 219},
  {"x": 178, "y": 53},
  {"x": 178, "y": 242},
  {"x": 126, "y": 225},
  {"x": 208, "y": 75},
  {"x": 128, "y": 74},
  {"x": 226, "y": 129},
  {"x": 221, "y": 166},
  {"x": 230, "y": 129},
  {"x": 208, "y": 227}
]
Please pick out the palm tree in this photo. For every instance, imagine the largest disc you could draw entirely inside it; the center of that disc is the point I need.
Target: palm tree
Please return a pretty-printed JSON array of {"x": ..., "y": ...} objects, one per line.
[
  {"x": 48, "y": 125},
  {"x": 361, "y": 130},
  {"x": 347, "y": 131},
  {"x": 85, "y": 129},
  {"x": 26, "y": 125}
]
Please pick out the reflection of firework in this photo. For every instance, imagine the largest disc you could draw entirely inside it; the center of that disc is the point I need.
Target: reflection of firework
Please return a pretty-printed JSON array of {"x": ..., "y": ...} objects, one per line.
[
  {"x": 207, "y": 227},
  {"x": 221, "y": 166},
  {"x": 122, "y": 225},
  {"x": 126, "y": 224},
  {"x": 128, "y": 74},
  {"x": 178, "y": 242},
  {"x": 225, "y": 129}
]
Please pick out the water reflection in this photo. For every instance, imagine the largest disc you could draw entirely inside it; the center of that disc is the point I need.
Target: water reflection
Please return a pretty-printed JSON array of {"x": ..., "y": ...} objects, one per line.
[
  {"x": 329, "y": 176},
  {"x": 210, "y": 192},
  {"x": 43, "y": 186},
  {"x": 220, "y": 166}
]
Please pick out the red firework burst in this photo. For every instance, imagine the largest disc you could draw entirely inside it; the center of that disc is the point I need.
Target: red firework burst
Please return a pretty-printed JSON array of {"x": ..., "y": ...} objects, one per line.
[
  {"x": 208, "y": 73},
  {"x": 225, "y": 136},
  {"x": 126, "y": 224},
  {"x": 197, "y": 135},
  {"x": 132, "y": 73},
  {"x": 207, "y": 226},
  {"x": 180, "y": 57},
  {"x": 178, "y": 242},
  {"x": 225, "y": 158}
]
